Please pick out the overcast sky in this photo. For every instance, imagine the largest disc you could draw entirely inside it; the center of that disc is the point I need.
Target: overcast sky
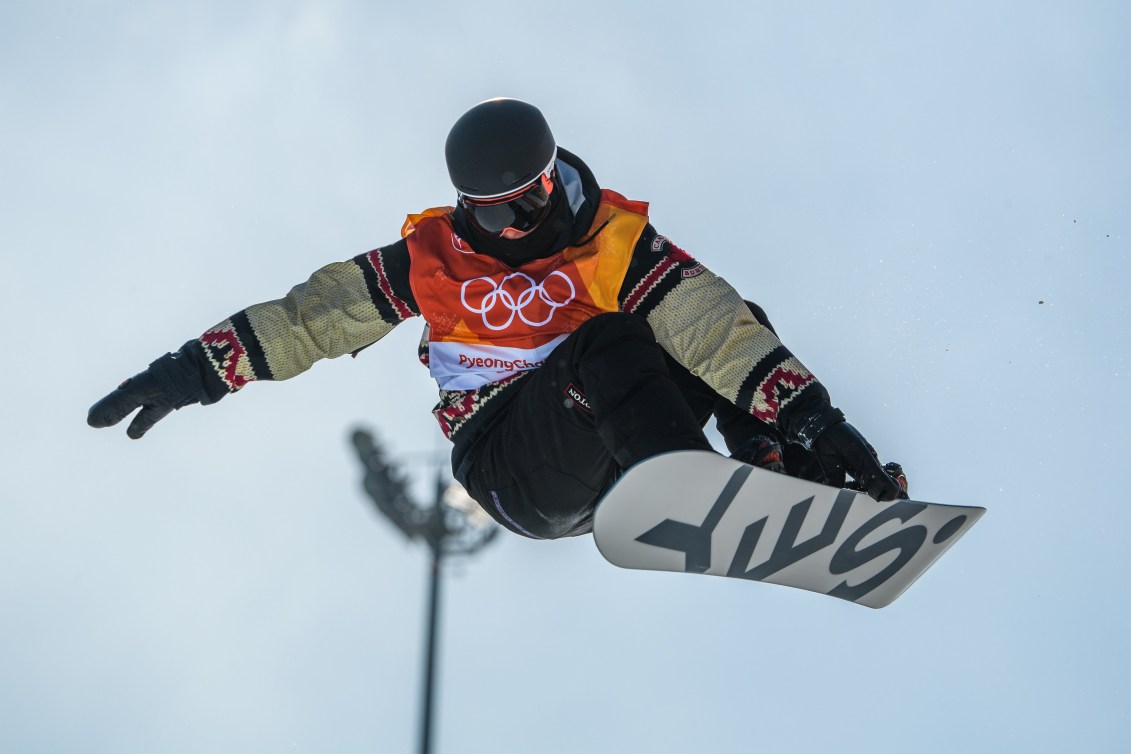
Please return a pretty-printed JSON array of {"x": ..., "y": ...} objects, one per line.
[{"x": 929, "y": 199}]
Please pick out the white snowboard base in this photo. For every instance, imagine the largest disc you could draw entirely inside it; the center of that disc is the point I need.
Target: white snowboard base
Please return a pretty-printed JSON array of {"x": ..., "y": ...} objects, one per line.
[{"x": 699, "y": 512}]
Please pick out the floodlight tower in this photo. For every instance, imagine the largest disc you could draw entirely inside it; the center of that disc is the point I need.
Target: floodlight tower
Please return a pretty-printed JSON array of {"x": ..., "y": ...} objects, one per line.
[{"x": 453, "y": 525}]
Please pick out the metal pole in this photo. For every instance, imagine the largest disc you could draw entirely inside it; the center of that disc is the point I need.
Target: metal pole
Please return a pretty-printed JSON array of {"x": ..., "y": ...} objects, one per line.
[
  {"x": 430, "y": 651},
  {"x": 445, "y": 529},
  {"x": 430, "y": 656}
]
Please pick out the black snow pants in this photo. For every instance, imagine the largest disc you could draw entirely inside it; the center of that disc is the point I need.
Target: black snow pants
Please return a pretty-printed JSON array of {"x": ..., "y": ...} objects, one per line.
[{"x": 608, "y": 397}]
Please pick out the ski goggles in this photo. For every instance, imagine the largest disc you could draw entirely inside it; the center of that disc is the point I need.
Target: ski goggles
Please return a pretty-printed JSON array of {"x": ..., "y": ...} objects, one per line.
[{"x": 518, "y": 210}]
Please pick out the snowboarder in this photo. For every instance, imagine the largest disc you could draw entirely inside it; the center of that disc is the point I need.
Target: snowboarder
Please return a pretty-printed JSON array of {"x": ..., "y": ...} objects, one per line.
[{"x": 569, "y": 339}]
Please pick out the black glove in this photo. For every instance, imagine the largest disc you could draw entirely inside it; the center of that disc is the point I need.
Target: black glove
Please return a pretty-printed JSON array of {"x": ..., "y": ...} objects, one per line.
[
  {"x": 173, "y": 381},
  {"x": 841, "y": 449}
]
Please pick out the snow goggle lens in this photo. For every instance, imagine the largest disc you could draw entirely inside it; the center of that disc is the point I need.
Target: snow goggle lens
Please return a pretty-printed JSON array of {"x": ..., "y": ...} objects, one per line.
[{"x": 519, "y": 211}]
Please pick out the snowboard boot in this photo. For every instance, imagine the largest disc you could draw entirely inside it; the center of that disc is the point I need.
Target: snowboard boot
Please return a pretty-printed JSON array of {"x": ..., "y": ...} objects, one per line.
[
  {"x": 895, "y": 471},
  {"x": 761, "y": 451}
]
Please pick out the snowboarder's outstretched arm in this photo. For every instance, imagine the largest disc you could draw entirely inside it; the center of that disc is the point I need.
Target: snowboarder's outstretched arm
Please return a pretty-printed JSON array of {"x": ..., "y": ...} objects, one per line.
[
  {"x": 703, "y": 322},
  {"x": 342, "y": 308}
]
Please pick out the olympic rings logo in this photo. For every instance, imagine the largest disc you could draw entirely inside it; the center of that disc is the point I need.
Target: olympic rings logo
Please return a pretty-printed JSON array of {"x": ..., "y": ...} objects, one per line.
[{"x": 515, "y": 299}]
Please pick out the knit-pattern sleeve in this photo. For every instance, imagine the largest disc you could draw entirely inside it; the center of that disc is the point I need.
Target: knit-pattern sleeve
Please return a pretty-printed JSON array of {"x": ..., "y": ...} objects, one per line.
[
  {"x": 706, "y": 325},
  {"x": 342, "y": 308}
]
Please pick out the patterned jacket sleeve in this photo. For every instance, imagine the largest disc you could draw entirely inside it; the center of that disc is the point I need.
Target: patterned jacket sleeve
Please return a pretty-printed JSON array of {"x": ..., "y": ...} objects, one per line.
[
  {"x": 342, "y": 308},
  {"x": 706, "y": 325}
]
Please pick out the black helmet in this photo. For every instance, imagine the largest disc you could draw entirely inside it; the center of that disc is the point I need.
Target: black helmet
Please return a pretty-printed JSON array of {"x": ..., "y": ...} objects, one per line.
[{"x": 498, "y": 147}]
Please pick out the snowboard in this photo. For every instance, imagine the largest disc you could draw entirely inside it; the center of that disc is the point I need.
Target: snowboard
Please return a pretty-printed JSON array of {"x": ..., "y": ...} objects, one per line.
[{"x": 699, "y": 512}]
